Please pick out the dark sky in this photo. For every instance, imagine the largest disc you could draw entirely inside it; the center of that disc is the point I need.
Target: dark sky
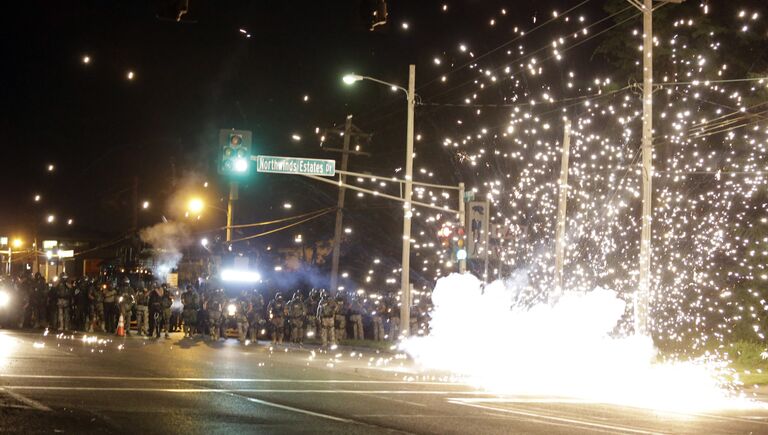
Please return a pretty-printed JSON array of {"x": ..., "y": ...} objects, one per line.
[{"x": 191, "y": 79}]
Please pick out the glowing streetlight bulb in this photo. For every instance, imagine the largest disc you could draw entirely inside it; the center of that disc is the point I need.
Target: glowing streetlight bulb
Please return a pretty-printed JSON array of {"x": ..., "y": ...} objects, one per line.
[
  {"x": 145, "y": 205},
  {"x": 86, "y": 59},
  {"x": 51, "y": 167},
  {"x": 17, "y": 243},
  {"x": 70, "y": 221},
  {"x": 351, "y": 78},
  {"x": 195, "y": 205},
  {"x": 287, "y": 206},
  {"x": 204, "y": 242},
  {"x": 130, "y": 75},
  {"x": 37, "y": 198},
  {"x": 50, "y": 219}
]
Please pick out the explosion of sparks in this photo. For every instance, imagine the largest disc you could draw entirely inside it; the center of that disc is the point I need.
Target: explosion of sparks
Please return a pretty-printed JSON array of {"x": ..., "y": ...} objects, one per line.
[
  {"x": 501, "y": 115},
  {"x": 568, "y": 350}
]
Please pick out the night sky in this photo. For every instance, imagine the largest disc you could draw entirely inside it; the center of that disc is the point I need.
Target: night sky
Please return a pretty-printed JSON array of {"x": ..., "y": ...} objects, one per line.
[{"x": 101, "y": 129}]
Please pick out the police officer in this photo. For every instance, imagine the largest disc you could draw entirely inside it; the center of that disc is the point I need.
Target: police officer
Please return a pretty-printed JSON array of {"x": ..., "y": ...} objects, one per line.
[
  {"x": 81, "y": 303},
  {"x": 96, "y": 308},
  {"x": 255, "y": 315},
  {"x": 40, "y": 300},
  {"x": 393, "y": 314},
  {"x": 126, "y": 300},
  {"x": 297, "y": 312},
  {"x": 277, "y": 312},
  {"x": 63, "y": 302},
  {"x": 167, "y": 301},
  {"x": 311, "y": 310},
  {"x": 142, "y": 312},
  {"x": 378, "y": 313},
  {"x": 191, "y": 302},
  {"x": 326, "y": 313},
  {"x": 342, "y": 309},
  {"x": 241, "y": 317},
  {"x": 214, "y": 306},
  {"x": 356, "y": 317},
  {"x": 110, "y": 307}
]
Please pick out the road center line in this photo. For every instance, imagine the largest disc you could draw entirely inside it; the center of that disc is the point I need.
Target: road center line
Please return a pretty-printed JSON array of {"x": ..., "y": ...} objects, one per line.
[{"x": 25, "y": 400}]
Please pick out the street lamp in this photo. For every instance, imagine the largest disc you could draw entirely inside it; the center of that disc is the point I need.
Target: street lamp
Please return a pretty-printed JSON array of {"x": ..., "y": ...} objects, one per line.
[
  {"x": 195, "y": 205},
  {"x": 410, "y": 93}
]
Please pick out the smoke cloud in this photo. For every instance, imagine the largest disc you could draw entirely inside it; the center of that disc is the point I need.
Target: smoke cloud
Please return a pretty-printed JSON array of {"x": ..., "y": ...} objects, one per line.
[{"x": 168, "y": 239}]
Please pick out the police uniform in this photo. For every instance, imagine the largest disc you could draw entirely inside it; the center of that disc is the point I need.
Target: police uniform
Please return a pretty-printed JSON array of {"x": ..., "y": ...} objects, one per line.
[
  {"x": 341, "y": 317},
  {"x": 277, "y": 318},
  {"x": 125, "y": 302},
  {"x": 63, "y": 303},
  {"x": 191, "y": 301},
  {"x": 356, "y": 317},
  {"x": 255, "y": 316},
  {"x": 326, "y": 313},
  {"x": 142, "y": 312},
  {"x": 297, "y": 312}
]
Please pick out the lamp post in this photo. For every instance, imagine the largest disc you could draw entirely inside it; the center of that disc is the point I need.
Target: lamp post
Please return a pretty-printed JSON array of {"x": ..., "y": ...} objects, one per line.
[{"x": 405, "y": 288}]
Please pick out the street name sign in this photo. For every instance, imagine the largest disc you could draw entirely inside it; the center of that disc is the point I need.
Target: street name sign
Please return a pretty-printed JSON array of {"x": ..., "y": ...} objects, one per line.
[{"x": 295, "y": 165}]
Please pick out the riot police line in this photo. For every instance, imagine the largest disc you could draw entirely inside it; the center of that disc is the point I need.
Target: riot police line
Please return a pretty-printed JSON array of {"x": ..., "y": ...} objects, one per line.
[{"x": 155, "y": 310}]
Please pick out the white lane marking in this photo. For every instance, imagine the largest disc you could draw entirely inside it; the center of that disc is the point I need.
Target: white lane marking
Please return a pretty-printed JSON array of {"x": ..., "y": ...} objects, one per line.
[
  {"x": 567, "y": 401},
  {"x": 257, "y": 380},
  {"x": 407, "y": 402},
  {"x": 25, "y": 400},
  {"x": 299, "y": 410},
  {"x": 762, "y": 420},
  {"x": 557, "y": 419},
  {"x": 240, "y": 390}
]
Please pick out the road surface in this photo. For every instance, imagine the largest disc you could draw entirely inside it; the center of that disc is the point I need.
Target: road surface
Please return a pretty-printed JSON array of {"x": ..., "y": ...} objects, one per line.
[{"x": 73, "y": 384}]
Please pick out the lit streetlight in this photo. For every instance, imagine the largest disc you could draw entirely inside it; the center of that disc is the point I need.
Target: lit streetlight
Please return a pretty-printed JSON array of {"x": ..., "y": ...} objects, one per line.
[
  {"x": 204, "y": 242},
  {"x": 50, "y": 219},
  {"x": 410, "y": 94},
  {"x": 145, "y": 205},
  {"x": 195, "y": 205}
]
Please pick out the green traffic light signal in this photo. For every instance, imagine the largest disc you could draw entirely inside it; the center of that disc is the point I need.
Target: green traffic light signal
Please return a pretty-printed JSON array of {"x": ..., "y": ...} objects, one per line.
[{"x": 234, "y": 152}]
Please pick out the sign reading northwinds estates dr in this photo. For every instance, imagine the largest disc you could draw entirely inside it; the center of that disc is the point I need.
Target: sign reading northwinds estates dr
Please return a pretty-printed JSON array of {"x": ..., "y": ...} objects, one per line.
[{"x": 295, "y": 165}]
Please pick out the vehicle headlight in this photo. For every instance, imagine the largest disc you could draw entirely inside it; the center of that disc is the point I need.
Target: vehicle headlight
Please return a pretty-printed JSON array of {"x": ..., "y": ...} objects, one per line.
[
  {"x": 231, "y": 309},
  {"x": 5, "y": 298}
]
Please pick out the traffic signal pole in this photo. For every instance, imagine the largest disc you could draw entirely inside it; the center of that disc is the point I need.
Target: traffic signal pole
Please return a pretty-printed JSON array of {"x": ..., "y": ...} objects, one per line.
[{"x": 233, "y": 193}]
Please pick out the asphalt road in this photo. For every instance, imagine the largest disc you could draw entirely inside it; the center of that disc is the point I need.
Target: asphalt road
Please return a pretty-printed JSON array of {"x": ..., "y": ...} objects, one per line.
[{"x": 118, "y": 385}]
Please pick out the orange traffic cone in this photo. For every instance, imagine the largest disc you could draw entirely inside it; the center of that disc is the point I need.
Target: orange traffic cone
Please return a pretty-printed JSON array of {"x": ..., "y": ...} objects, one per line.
[{"x": 121, "y": 327}]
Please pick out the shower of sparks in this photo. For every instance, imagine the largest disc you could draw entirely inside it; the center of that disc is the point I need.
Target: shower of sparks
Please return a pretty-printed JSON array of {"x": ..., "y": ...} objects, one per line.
[{"x": 502, "y": 114}]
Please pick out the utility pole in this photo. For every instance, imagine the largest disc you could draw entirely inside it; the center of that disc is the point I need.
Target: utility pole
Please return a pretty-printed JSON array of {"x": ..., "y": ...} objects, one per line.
[
  {"x": 561, "y": 215},
  {"x": 405, "y": 287},
  {"x": 642, "y": 298},
  {"x": 486, "y": 237},
  {"x": 233, "y": 196},
  {"x": 350, "y": 131},
  {"x": 462, "y": 224}
]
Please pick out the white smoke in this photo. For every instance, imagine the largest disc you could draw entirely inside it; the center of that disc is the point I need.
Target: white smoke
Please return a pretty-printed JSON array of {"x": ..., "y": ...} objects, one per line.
[
  {"x": 167, "y": 239},
  {"x": 563, "y": 350}
]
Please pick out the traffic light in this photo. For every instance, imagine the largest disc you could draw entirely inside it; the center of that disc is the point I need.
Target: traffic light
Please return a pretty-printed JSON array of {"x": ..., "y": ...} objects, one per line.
[{"x": 234, "y": 152}]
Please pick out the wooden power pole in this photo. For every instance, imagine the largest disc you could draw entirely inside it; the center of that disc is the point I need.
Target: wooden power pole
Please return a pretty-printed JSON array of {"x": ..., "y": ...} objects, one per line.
[{"x": 349, "y": 132}]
